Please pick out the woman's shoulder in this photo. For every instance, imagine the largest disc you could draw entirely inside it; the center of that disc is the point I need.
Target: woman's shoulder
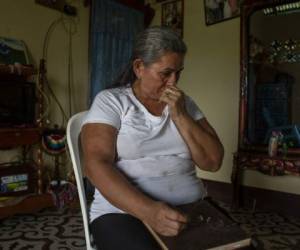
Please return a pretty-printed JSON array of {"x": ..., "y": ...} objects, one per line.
[
  {"x": 188, "y": 99},
  {"x": 119, "y": 96},
  {"x": 118, "y": 92},
  {"x": 193, "y": 108}
]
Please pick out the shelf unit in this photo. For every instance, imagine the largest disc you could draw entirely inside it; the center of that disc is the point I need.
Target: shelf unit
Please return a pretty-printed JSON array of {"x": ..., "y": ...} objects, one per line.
[{"x": 25, "y": 135}]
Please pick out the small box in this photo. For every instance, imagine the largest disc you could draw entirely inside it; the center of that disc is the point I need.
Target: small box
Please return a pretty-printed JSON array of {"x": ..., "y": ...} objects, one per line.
[{"x": 17, "y": 179}]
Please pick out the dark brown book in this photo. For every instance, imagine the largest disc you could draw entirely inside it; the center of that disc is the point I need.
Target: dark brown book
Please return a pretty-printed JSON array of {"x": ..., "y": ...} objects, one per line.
[{"x": 208, "y": 227}]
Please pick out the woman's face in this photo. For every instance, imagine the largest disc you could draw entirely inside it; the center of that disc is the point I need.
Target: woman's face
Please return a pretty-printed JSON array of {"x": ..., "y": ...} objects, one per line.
[{"x": 155, "y": 77}]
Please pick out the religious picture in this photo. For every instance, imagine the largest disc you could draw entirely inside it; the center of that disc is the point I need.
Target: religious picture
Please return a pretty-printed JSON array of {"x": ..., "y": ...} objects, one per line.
[
  {"x": 221, "y": 10},
  {"x": 172, "y": 15}
]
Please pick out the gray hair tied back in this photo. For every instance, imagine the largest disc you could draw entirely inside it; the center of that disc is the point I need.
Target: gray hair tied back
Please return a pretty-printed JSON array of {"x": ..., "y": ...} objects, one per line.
[{"x": 149, "y": 46}]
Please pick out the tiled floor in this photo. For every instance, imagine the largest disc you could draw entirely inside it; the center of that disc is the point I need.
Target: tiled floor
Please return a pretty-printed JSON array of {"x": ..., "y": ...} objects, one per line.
[{"x": 62, "y": 229}]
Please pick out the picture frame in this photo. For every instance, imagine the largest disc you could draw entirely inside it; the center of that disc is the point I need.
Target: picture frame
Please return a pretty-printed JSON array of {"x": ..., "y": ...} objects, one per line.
[
  {"x": 217, "y": 11},
  {"x": 172, "y": 15}
]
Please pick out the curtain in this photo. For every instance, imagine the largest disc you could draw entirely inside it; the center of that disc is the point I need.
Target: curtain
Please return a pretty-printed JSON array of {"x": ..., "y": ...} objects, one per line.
[{"x": 113, "y": 28}]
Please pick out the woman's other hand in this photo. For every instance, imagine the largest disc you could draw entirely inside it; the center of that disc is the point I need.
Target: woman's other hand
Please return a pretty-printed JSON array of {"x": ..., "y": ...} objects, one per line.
[{"x": 165, "y": 220}]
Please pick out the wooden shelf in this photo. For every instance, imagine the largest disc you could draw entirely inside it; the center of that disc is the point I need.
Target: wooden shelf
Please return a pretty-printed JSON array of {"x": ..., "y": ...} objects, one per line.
[
  {"x": 16, "y": 72},
  {"x": 15, "y": 137},
  {"x": 25, "y": 135},
  {"x": 274, "y": 166},
  {"x": 29, "y": 204},
  {"x": 18, "y": 69}
]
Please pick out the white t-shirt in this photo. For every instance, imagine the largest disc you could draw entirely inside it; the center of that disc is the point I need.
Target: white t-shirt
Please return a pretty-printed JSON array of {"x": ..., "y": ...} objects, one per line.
[{"x": 151, "y": 152}]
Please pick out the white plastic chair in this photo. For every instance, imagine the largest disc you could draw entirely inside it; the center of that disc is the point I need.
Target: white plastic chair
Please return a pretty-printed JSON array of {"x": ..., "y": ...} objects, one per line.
[{"x": 73, "y": 140}]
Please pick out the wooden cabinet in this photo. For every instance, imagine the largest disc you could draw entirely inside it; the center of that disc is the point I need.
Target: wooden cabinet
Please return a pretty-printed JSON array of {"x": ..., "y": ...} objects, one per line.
[
  {"x": 13, "y": 134},
  {"x": 14, "y": 137}
]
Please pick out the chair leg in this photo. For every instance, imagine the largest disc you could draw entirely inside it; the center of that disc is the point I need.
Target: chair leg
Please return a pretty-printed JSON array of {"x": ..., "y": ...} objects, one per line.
[
  {"x": 236, "y": 181},
  {"x": 56, "y": 170}
]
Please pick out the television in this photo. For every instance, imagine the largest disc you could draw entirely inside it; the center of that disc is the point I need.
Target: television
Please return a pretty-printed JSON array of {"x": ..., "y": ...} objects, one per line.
[{"x": 17, "y": 103}]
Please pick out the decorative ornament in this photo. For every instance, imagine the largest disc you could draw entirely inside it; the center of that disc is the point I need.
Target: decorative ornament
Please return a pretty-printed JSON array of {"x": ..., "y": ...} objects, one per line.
[
  {"x": 287, "y": 51},
  {"x": 54, "y": 141}
]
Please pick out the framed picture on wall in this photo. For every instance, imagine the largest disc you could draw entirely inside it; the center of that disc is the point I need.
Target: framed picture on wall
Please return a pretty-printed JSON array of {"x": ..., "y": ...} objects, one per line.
[
  {"x": 220, "y": 10},
  {"x": 172, "y": 15}
]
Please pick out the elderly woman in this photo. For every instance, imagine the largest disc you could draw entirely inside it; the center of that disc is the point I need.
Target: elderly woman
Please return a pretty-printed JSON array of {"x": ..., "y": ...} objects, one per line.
[{"x": 141, "y": 141}]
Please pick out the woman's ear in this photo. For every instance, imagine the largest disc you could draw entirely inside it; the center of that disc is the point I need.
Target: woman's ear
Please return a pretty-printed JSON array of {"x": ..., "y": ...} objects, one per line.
[{"x": 138, "y": 67}]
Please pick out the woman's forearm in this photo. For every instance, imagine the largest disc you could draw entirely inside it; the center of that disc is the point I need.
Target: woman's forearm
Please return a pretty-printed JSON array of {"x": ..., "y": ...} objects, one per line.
[
  {"x": 204, "y": 144},
  {"x": 205, "y": 147}
]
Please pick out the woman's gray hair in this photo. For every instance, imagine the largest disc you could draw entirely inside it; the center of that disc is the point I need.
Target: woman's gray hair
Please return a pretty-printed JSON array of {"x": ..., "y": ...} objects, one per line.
[{"x": 150, "y": 45}]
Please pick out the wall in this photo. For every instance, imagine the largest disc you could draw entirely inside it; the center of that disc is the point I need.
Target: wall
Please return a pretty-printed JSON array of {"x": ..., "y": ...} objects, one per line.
[
  {"x": 211, "y": 77},
  {"x": 29, "y": 22}
]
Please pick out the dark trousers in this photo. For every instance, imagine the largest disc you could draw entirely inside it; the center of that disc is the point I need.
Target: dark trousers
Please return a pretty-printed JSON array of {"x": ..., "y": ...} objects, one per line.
[{"x": 121, "y": 231}]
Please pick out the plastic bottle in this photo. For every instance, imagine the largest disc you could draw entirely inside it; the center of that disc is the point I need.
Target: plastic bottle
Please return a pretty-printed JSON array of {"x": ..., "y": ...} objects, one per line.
[{"x": 273, "y": 144}]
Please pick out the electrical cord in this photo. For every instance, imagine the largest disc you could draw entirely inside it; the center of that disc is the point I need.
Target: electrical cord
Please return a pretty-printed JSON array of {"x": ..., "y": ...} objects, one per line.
[
  {"x": 70, "y": 29},
  {"x": 47, "y": 102}
]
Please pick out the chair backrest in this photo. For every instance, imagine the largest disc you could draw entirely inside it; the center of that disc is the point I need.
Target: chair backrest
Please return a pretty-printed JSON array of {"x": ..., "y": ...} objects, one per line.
[{"x": 73, "y": 140}]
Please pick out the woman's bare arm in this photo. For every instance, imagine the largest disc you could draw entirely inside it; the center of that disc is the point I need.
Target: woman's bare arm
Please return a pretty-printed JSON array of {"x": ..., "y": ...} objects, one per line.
[
  {"x": 99, "y": 146},
  {"x": 206, "y": 149}
]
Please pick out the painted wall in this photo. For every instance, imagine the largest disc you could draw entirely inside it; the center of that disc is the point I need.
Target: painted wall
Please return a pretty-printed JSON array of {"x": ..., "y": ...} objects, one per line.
[
  {"x": 29, "y": 22},
  {"x": 211, "y": 77}
]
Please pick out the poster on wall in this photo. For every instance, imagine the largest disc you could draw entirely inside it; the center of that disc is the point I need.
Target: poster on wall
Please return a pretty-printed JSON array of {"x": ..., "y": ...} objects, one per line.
[
  {"x": 220, "y": 10},
  {"x": 172, "y": 15}
]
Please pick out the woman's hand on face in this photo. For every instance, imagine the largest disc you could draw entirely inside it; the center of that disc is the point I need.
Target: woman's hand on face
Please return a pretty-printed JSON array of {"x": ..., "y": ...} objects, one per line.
[
  {"x": 165, "y": 220},
  {"x": 174, "y": 98}
]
